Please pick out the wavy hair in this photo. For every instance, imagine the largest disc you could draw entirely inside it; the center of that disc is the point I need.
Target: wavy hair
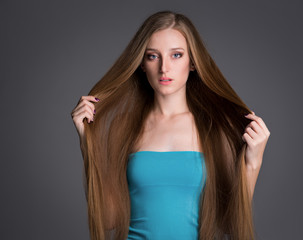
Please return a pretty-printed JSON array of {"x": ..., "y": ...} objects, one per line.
[{"x": 126, "y": 99}]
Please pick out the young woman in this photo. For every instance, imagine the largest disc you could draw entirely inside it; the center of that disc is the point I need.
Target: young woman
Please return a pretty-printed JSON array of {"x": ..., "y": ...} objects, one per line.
[{"x": 170, "y": 150}]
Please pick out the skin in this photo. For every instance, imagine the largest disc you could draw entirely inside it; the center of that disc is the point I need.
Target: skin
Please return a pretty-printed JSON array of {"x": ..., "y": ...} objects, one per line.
[
  {"x": 170, "y": 125},
  {"x": 167, "y": 56},
  {"x": 84, "y": 109},
  {"x": 256, "y": 135}
]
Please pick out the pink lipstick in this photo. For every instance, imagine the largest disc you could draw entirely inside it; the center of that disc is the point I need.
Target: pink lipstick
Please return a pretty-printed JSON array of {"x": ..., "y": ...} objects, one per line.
[{"x": 165, "y": 80}]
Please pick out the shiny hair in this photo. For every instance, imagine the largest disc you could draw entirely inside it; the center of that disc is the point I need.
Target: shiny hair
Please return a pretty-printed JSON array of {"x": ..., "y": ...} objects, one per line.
[{"x": 126, "y": 99}]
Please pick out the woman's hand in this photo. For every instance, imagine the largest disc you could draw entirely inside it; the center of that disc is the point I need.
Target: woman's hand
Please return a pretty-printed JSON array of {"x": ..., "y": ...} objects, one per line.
[
  {"x": 84, "y": 109},
  {"x": 256, "y": 135}
]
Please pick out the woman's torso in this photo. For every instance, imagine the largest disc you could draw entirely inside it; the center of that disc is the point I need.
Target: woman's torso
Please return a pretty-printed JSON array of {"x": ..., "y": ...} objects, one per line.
[
  {"x": 164, "y": 190},
  {"x": 166, "y": 172}
]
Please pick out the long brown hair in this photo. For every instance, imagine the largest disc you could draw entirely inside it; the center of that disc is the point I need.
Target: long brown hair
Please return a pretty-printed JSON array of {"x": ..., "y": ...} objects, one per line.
[{"x": 126, "y": 99}]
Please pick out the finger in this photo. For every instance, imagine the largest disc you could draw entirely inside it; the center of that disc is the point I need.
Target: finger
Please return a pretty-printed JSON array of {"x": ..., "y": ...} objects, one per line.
[
  {"x": 89, "y": 98},
  {"x": 85, "y": 104},
  {"x": 80, "y": 116},
  {"x": 247, "y": 138},
  {"x": 251, "y": 133},
  {"x": 86, "y": 100},
  {"x": 83, "y": 107},
  {"x": 256, "y": 127},
  {"x": 260, "y": 121}
]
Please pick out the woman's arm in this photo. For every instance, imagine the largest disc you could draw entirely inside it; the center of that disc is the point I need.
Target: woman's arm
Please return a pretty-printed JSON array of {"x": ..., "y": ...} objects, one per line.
[
  {"x": 256, "y": 135},
  {"x": 252, "y": 176},
  {"x": 84, "y": 109}
]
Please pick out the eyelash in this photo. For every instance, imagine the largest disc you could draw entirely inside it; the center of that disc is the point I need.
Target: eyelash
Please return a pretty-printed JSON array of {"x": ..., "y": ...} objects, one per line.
[
  {"x": 178, "y": 54},
  {"x": 150, "y": 55}
]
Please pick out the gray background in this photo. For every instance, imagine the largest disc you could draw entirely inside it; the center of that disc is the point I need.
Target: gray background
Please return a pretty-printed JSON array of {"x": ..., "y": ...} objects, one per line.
[{"x": 52, "y": 52}]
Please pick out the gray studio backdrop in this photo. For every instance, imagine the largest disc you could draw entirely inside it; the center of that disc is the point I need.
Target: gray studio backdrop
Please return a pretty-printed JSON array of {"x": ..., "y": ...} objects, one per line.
[{"x": 52, "y": 52}]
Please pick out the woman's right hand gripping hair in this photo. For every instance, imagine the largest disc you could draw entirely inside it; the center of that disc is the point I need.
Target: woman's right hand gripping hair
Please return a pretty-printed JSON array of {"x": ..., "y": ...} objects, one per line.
[{"x": 84, "y": 109}]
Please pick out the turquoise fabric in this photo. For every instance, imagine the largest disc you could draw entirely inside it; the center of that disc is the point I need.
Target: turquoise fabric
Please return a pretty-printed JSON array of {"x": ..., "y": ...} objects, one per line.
[{"x": 164, "y": 191}]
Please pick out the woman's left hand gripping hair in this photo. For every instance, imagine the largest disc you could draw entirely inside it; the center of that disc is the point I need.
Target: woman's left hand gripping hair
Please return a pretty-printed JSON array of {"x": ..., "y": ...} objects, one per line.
[{"x": 255, "y": 135}]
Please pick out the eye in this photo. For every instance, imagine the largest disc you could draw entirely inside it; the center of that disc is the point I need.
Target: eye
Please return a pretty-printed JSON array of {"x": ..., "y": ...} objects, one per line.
[
  {"x": 151, "y": 56},
  {"x": 177, "y": 55}
]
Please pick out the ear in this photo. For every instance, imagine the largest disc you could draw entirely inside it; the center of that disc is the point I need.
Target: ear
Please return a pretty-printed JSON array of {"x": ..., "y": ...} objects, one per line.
[
  {"x": 192, "y": 67},
  {"x": 142, "y": 67}
]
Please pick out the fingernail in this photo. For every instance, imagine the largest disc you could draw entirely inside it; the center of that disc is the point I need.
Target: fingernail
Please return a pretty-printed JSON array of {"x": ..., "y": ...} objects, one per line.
[{"x": 97, "y": 99}]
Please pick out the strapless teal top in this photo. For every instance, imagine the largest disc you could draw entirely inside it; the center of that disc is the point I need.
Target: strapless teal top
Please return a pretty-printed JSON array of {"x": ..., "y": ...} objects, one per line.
[{"x": 164, "y": 190}]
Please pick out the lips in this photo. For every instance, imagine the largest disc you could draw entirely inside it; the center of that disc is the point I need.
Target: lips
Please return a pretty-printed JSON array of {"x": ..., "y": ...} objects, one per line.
[{"x": 165, "y": 79}]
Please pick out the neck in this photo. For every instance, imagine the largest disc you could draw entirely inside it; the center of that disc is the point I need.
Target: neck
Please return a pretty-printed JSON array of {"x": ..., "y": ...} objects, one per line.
[{"x": 169, "y": 105}]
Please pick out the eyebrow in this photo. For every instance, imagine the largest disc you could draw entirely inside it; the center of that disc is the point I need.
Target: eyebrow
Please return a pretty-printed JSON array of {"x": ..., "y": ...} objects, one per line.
[{"x": 156, "y": 50}]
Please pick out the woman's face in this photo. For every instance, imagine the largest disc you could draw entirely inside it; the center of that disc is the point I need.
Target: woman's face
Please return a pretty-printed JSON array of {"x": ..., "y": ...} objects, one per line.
[{"x": 166, "y": 56}]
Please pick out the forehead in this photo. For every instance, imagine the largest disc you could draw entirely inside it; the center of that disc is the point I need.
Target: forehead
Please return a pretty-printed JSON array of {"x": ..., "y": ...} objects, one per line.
[{"x": 167, "y": 38}]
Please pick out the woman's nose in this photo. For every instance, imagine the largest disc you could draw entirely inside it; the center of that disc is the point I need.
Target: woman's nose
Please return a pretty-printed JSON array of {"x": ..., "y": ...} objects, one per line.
[{"x": 164, "y": 65}]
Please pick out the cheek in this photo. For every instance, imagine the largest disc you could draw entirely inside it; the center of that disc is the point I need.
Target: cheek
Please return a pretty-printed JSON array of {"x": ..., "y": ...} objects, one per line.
[
  {"x": 183, "y": 68},
  {"x": 151, "y": 69},
  {"x": 150, "y": 72}
]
